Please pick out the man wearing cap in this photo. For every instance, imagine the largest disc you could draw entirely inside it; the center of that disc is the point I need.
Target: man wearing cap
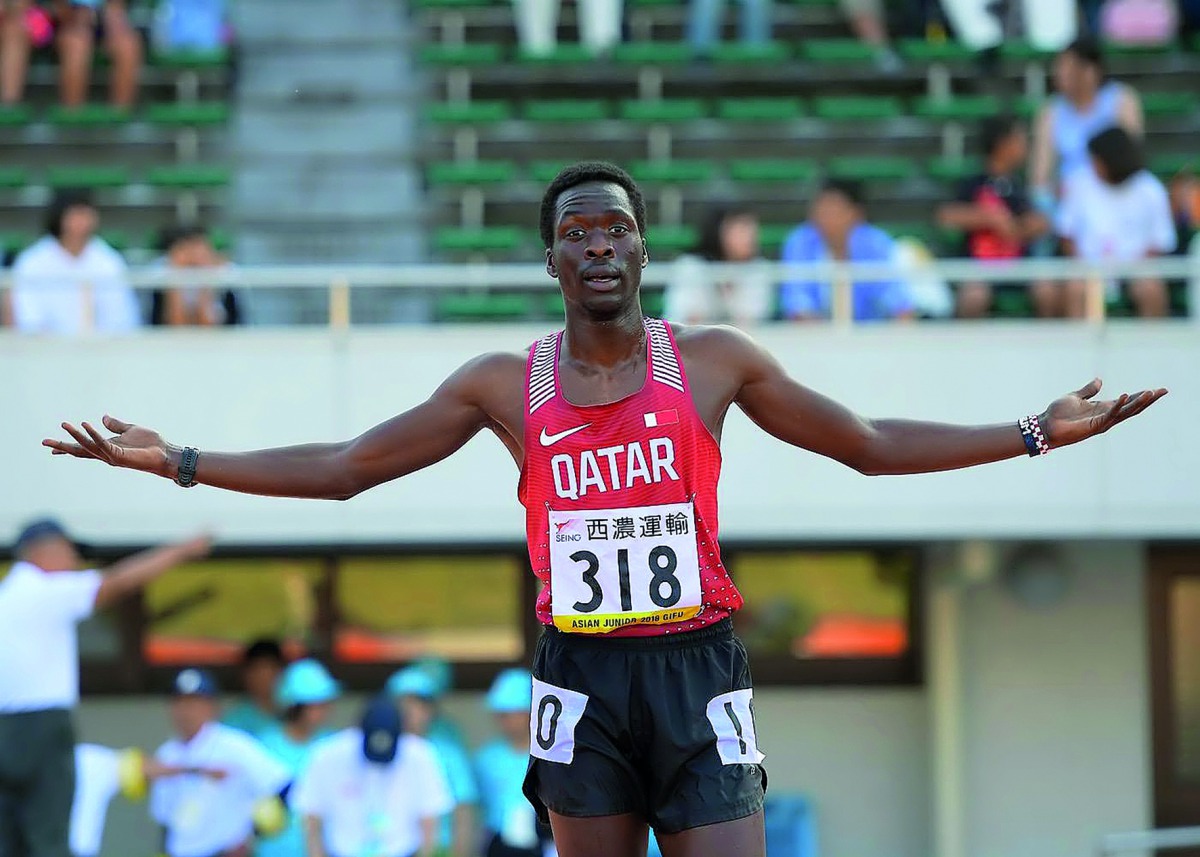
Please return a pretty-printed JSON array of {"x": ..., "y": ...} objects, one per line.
[
  {"x": 229, "y": 782},
  {"x": 372, "y": 791},
  {"x": 415, "y": 690},
  {"x": 305, "y": 695},
  {"x": 42, "y": 598},
  {"x": 510, "y": 823}
]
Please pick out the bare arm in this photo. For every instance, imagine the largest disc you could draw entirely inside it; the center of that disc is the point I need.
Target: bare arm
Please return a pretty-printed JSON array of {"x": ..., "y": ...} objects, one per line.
[
  {"x": 804, "y": 418},
  {"x": 1129, "y": 112},
  {"x": 429, "y": 837},
  {"x": 132, "y": 573},
  {"x": 966, "y": 216},
  {"x": 463, "y": 844},
  {"x": 417, "y": 438},
  {"x": 1043, "y": 150},
  {"x": 313, "y": 836}
]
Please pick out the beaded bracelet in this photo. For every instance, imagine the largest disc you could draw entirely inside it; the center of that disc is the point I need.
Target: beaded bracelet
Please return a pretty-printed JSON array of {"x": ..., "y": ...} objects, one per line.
[{"x": 1032, "y": 434}]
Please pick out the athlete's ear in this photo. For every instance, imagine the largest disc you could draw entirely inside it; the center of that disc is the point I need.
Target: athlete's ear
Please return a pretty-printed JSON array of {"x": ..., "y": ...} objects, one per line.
[
  {"x": 645, "y": 253},
  {"x": 551, "y": 268}
]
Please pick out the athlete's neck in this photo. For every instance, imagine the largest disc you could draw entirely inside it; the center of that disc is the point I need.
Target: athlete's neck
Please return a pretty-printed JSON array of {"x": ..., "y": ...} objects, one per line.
[{"x": 605, "y": 343}]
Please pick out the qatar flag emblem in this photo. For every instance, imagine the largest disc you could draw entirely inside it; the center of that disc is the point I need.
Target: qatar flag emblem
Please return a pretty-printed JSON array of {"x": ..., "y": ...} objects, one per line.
[{"x": 662, "y": 418}]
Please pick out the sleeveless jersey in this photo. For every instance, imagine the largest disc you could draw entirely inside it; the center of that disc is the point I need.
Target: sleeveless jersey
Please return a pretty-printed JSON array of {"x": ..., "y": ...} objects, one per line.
[{"x": 621, "y": 502}]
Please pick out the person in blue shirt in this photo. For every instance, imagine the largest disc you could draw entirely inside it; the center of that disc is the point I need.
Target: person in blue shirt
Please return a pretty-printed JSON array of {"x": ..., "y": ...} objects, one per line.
[
  {"x": 305, "y": 694},
  {"x": 837, "y": 231},
  {"x": 441, "y": 673},
  {"x": 509, "y": 821},
  {"x": 415, "y": 691},
  {"x": 262, "y": 662}
]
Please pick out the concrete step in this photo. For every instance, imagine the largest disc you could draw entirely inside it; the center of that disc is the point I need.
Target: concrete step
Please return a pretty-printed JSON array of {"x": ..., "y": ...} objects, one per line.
[
  {"x": 322, "y": 192},
  {"x": 353, "y": 129},
  {"x": 328, "y": 74}
]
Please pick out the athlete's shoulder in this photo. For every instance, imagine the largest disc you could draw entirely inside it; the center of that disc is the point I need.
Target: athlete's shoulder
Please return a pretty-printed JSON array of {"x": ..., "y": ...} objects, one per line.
[
  {"x": 718, "y": 341},
  {"x": 492, "y": 371}
]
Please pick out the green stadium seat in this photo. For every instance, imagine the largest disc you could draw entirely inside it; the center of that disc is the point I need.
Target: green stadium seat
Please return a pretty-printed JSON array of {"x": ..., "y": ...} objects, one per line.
[
  {"x": 188, "y": 176},
  {"x": 1169, "y": 104},
  {"x": 759, "y": 109},
  {"x": 837, "y": 51},
  {"x": 831, "y": 4},
  {"x": 921, "y": 51},
  {"x": 1116, "y": 49},
  {"x": 15, "y": 116},
  {"x": 1011, "y": 302},
  {"x": 449, "y": 4},
  {"x": 487, "y": 238},
  {"x": 1020, "y": 50},
  {"x": 926, "y": 233},
  {"x": 188, "y": 114},
  {"x": 652, "y": 53},
  {"x": 87, "y": 177},
  {"x": 858, "y": 108},
  {"x": 116, "y": 239},
  {"x": 671, "y": 239},
  {"x": 553, "y": 305},
  {"x": 473, "y": 173},
  {"x": 583, "y": 110},
  {"x": 958, "y": 108},
  {"x": 739, "y": 53},
  {"x": 566, "y": 54},
  {"x": 469, "y": 112},
  {"x": 13, "y": 178},
  {"x": 88, "y": 116},
  {"x": 191, "y": 60},
  {"x": 15, "y": 242},
  {"x": 673, "y": 172},
  {"x": 654, "y": 301},
  {"x": 1028, "y": 106},
  {"x": 772, "y": 235},
  {"x": 484, "y": 307},
  {"x": 479, "y": 53},
  {"x": 872, "y": 168},
  {"x": 954, "y": 169},
  {"x": 642, "y": 4},
  {"x": 221, "y": 239},
  {"x": 665, "y": 110},
  {"x": 1166, "y": 166},
  {"x": 773, "y": 170}
]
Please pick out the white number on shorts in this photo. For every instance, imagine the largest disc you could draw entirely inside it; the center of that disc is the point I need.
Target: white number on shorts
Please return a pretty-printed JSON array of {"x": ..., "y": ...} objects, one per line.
[
  {"x": 552, "y": 720},
  {"x": 732, "y": 720}
]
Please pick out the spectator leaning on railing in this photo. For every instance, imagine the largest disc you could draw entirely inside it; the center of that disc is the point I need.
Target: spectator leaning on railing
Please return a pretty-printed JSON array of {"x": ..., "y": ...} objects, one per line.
[
  {"x": 697, "y": 294},
  {"x": 189, "y": 249}
]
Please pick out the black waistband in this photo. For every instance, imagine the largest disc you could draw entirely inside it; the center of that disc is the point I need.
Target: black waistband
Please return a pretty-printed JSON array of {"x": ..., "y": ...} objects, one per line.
[{"x": 716, "y": 632}]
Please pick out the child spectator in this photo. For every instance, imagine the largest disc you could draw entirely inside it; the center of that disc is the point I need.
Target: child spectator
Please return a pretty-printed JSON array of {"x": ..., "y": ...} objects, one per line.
[
  {"x": 698, "y": 294},
  {"x": 993, "y": 211},
  {"x": 188, "y": 249},
  {"x": 837, "y": 230},
  {"x": 1118, "y": 211}
]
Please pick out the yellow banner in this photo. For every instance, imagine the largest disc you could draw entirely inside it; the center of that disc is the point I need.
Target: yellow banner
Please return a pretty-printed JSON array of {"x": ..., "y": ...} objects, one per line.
[{"x": 602, "y": 624}]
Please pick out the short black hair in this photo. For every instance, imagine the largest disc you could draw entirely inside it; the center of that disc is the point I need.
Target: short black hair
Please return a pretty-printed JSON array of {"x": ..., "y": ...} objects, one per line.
[
  {"x": 851, "y": 189},
  {"x": 1120, "y": 153},
  {"x": 994, "y": 130},
  {"x": 583, "y": 173},
  {"x": 172, "y": 235},
  {"x": 1086, "y": 49},
  {"x": 708, "y": 243},
  {"x": 63, "y": 201},
  {"x": 265, "y": 648}
]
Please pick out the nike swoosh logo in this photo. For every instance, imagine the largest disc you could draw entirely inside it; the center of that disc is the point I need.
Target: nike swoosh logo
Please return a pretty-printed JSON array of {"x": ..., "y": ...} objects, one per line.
[{"x": 551, "y": 439}]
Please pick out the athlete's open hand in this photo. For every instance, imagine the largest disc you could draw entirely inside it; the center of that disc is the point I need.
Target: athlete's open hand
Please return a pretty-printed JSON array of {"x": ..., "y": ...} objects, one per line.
[
  {"x": 1078, "y": 416},
  {"x": 131, "y": 446}
]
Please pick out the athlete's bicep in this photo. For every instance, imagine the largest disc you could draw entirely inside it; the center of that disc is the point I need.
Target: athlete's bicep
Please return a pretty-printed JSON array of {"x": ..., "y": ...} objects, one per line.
[{"x": 795, "y": 414}]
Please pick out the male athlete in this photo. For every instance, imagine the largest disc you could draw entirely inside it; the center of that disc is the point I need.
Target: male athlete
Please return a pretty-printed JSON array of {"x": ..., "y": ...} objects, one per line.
[{"x": 641, "y": 706}]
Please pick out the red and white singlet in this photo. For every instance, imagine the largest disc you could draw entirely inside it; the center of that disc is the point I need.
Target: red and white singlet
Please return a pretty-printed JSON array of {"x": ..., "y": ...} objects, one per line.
[{"x": 621, "y": 502}]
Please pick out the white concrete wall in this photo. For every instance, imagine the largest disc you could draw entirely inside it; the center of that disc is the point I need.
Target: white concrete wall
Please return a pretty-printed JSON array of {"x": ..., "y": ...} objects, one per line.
[{"x": 249, "y": 388}]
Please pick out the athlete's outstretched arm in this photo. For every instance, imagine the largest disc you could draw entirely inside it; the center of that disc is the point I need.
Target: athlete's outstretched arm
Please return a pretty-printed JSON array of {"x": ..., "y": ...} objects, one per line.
[
  {"x": 804, "y": 418},
  {"x": 335, "y": 471}
]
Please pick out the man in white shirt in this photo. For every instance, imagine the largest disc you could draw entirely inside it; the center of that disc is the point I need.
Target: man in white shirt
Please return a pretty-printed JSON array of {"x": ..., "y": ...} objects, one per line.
[
  {"x": 373, "y": 790},
  {"x": 42, "y": 598},
  {"x": 209, "y": 809},
  {"x": 70, "y": 281}
]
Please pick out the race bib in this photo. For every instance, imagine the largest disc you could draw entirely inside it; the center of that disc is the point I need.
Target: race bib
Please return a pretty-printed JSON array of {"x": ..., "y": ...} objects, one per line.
[{"x": 614, "y": 567}]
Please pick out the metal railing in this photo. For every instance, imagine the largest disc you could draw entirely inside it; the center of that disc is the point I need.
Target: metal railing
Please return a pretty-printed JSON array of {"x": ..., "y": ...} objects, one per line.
[
  {"x": 338, "y": 281},
  {"x": 1149, "y": 840}
]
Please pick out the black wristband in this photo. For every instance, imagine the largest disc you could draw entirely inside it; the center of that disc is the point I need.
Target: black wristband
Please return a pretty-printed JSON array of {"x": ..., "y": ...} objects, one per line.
[
  {"x": 186, "y": 478},
  {"x": 1034, "y": 437}
]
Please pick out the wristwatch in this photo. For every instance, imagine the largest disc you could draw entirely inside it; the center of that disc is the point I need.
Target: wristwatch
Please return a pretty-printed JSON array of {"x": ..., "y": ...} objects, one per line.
[{"x": 186, "y": 477}]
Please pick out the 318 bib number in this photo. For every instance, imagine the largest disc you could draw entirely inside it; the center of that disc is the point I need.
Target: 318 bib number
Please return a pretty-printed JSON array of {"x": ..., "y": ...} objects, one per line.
[{"x": 614, "y": 567}]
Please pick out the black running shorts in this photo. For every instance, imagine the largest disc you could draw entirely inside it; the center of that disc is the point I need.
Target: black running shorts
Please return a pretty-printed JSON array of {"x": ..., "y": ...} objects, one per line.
[{"x": 662, "y": 727}]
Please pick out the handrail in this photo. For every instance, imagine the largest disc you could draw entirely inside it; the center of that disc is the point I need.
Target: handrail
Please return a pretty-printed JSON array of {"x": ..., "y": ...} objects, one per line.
[{"x": 1149, "y": 840}]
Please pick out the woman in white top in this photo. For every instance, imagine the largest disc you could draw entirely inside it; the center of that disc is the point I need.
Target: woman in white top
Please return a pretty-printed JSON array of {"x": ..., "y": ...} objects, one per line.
[
  {"x": 1117, "y": 211},
  {"x": 699, "y": 293}
]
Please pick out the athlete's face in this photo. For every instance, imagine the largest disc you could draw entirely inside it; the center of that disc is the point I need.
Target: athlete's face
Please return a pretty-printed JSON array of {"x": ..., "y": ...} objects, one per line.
[{"x": 598, "y": 252}]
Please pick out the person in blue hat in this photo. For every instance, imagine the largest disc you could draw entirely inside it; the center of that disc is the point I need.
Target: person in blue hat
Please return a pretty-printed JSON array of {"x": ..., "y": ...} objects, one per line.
[
  {"x": 441, "y": 671},
  {"x": 305, "y": 694},
  {"x": 510, "y": 822},
  {"x": 227, "y": 783},
  {"x": 415, "y": 692},
  {"x": 372, "y": 791}
]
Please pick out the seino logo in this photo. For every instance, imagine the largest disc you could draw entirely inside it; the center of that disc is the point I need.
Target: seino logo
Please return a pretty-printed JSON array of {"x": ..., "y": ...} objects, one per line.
[{"x": 560, "y": 536}]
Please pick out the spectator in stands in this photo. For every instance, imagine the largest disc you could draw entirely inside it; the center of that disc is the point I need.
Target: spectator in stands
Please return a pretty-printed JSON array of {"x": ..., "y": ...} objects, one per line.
[
  {"x": 537, "y": 25},
  {"x": 698, "y": 293},
  {"x": 188, "y": 249},
  {"x": 866, "y": 19},
  {"x": 1117, "y": 211},
  {"x": 837, "y": 230},
  {"x": 262, "y": 664},
  {"x": 78, "y": 21},
  {"x": 1085, "y": 105},
  {"x": 704, "y": 23},
  {"x": 71, "y": 281},
  {"x": 994, "y": 212},
  {"x": 1185, "y": 208},
  {"x": 414, "y": 690}
]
